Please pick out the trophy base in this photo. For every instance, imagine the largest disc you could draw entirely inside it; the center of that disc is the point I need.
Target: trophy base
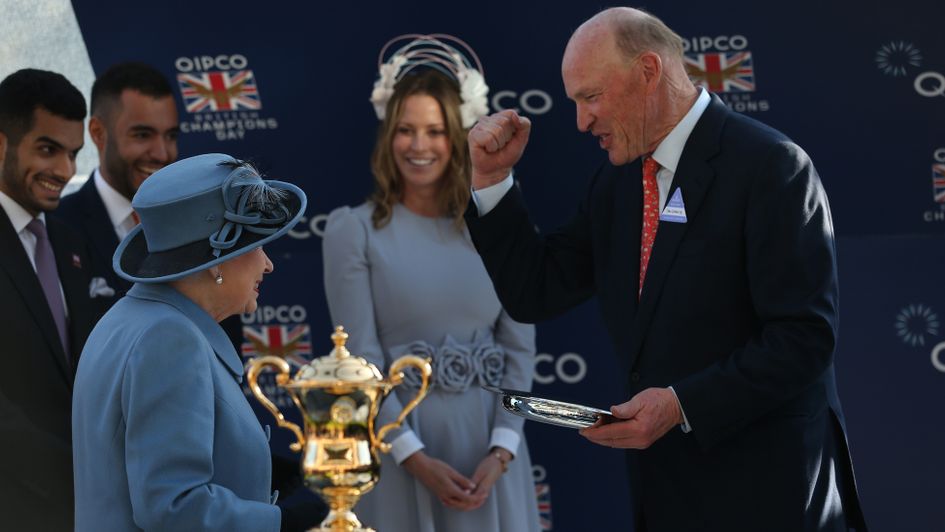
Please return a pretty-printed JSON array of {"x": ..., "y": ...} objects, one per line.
[
  {"x": 342, "y": 529},
  {"x": 341, "y": 521}
]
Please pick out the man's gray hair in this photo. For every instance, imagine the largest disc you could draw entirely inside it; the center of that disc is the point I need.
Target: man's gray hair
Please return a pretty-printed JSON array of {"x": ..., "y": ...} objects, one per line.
[{"x": 636, "y": 33}]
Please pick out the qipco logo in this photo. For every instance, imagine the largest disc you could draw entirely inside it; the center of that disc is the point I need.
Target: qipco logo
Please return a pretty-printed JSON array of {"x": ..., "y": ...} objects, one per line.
[
  {"x": 930, "y": 84},
  {"x": 308, "y": 227},
  {"x": 203, "y": 63},
  {"x": 569, "y": 368},
  {"x": 286, "y": 314},
  {"x": 939, "y": 155},
  {"x": 720, "y": 43},
  {"x": 938, "y": 357},
  {"x": 532, "y": 101}
]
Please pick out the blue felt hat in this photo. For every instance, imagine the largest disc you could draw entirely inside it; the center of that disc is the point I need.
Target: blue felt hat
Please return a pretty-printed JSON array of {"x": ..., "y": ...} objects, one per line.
[{"x": 201, "y": 211}]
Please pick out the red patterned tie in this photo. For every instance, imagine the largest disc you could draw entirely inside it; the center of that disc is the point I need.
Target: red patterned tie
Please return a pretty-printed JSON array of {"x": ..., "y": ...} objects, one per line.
[{"x": 651, "y": 215}]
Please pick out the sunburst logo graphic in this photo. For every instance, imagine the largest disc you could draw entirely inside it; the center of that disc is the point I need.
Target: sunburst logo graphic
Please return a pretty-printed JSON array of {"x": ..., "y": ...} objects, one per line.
[
  {"x": 893, "y": 58},
  {"x": 915, "y": 322}
]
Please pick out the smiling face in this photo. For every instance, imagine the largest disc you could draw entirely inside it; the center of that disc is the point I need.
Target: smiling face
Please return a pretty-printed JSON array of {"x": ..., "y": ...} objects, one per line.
[
  {"x": 241, "y": 278},
  {"x": 608, "y": 92},
  {"x": 39, "y": 166},
  {"x": 135, "y": 138},
  {"x": 421, "y": 146}
]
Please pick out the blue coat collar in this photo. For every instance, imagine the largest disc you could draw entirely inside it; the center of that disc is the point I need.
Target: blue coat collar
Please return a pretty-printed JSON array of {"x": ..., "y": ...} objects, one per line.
[{"x": 211, "y": 330}]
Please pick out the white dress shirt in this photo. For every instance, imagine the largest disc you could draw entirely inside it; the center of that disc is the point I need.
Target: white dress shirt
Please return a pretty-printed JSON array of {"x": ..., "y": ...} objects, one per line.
[
  {"x": 118, "y": 207},
  {"x": 670, "y": 149}
]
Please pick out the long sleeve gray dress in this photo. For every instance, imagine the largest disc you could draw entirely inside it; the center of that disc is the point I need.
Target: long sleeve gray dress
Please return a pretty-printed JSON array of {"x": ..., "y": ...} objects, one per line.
[{"x": 418, "y": 286}]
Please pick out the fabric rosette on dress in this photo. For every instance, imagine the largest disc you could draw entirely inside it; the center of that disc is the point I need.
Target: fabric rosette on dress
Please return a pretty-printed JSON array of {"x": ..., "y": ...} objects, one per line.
[{"x": 456, "y": 366}]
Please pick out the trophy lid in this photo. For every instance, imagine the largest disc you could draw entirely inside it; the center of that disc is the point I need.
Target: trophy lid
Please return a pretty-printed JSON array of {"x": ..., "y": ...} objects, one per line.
[{"x": 339, "y": 366}]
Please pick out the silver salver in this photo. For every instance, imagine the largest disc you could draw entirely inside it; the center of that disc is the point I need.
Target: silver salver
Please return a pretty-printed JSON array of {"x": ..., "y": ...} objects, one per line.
[{"x": 550, "y": 411}]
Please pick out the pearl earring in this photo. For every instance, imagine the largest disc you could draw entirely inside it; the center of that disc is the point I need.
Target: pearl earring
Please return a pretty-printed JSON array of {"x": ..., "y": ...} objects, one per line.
[{"x": 219, "y": 278}]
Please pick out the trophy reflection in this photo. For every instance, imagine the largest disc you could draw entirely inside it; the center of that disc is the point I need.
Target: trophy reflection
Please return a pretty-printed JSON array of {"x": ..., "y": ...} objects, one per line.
[{"x": 339, "y": 396}]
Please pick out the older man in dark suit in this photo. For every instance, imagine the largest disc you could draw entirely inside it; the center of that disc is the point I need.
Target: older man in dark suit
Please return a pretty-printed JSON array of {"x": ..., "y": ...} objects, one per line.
[
  {"x": 46, "y": 313},
  {"x": 708, "y": 241}
]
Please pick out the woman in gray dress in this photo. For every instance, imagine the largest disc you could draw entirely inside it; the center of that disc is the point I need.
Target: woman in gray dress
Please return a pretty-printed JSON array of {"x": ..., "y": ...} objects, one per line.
[{"x": 402, "y": 276}]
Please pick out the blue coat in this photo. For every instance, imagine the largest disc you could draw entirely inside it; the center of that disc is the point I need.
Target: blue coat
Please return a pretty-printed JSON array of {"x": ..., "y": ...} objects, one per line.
[{"x": 163, "y": 437}]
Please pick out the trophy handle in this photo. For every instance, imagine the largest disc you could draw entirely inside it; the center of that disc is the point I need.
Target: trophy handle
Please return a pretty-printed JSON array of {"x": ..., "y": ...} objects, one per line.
[
  {"x": 396, "y": 377},
  {"x": 252, "y": 373}
]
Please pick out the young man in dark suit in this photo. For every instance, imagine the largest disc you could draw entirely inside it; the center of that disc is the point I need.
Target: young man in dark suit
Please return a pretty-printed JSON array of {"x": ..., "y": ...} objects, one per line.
[
  {"x": 717, "y": 279},
  {"x": 135, "y": 127},
  {"x": 46, "y": 314}
]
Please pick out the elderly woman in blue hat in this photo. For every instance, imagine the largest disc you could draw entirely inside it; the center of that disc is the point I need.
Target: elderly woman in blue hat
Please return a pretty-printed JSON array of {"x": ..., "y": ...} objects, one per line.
[{"x": 163, "y": 437}]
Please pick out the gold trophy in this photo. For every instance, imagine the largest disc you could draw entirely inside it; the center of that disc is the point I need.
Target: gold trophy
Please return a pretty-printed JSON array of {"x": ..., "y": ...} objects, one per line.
[{"x": 339, "y": 396}]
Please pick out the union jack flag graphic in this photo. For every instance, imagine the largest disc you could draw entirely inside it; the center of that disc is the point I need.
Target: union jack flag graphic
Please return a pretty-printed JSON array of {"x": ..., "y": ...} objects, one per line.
[
  {"x": 543, "y": 493},
  {"x": 219, "y": 91},
  {"x": 291, "y": 342},
  {"x": 722, "y": 72},
  {"x": 938, "y": 182}
]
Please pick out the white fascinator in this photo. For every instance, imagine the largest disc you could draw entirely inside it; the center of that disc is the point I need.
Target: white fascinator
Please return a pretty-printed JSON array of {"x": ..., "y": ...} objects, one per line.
[{"x": 445, "y": 53}]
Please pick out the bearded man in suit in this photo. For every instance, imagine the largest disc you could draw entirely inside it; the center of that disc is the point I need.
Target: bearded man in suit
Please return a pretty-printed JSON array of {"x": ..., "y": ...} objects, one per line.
[
  {"x": 134, "y": 126},
  {"x": 708, "y": 240}
]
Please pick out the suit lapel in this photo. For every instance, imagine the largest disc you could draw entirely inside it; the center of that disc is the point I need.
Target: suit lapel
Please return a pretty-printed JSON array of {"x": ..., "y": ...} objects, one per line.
[
  {"x": 628, "y": 206},
  {"x": 75, "y": 285},
  {"x": 17, "y": 265},
  {"x": 693, "y": 177},
  {"x": 99, "y": 227}
]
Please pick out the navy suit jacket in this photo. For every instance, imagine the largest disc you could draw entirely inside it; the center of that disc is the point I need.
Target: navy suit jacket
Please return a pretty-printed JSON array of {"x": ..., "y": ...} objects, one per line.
[
  {"x": 85, "y": 212},
  {"x": 36, "y": 381},
  {"x": 738, "y": 313}
]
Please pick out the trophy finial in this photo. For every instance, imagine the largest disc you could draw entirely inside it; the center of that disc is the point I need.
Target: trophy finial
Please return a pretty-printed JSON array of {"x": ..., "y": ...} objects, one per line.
[{"x": 340, "y": 337}]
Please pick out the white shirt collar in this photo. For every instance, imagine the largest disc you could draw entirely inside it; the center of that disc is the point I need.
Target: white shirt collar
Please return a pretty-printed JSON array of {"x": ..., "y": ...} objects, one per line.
[
  {"x": 670, "y": 149},
  {"x": 19, "y": 217},
  {"x": 118, "y": 206}
]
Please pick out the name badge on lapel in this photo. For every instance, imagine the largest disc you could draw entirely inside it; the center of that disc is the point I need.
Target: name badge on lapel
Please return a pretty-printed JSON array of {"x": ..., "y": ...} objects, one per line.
[{"x": 675, "y": 210}]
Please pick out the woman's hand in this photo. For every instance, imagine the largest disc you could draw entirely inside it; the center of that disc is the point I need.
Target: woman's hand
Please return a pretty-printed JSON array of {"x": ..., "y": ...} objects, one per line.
[
  {"x": 488, "y": 472},
  {"x": 451, "y": 488}
]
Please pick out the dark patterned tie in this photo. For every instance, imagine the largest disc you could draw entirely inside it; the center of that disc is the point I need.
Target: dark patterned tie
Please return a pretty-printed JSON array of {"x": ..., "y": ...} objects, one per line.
[
  {"x": 651, "y": 215},
  {"x": 49, "y": 279}
]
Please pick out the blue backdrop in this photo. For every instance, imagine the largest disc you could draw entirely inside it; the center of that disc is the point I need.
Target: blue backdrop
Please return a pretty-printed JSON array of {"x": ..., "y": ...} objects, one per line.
[{"x": 860, "y": 85}]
